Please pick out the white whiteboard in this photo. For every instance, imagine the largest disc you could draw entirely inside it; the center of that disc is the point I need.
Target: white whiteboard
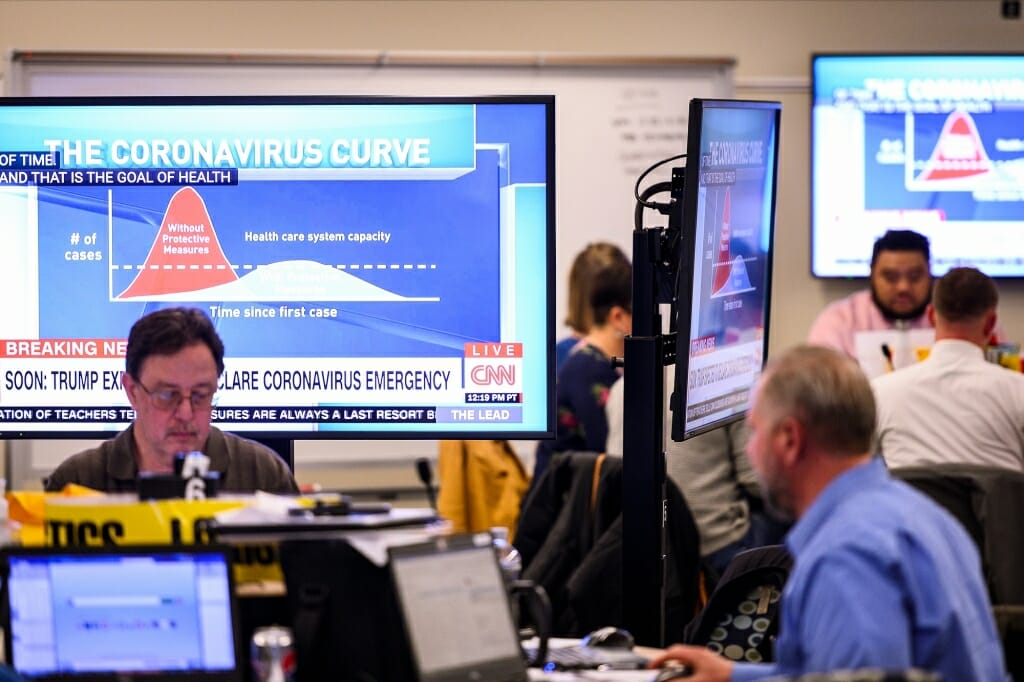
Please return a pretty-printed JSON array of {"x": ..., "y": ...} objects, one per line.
[{"x": 614, "y": 118}]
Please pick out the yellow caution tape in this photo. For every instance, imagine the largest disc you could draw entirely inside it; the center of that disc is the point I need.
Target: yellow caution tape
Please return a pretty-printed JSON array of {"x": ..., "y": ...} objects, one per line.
[{"x": 108, "y": 520}]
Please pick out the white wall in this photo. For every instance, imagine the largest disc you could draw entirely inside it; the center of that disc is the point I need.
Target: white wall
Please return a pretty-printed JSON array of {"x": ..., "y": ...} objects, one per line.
[{"x": 772, "y": 41}]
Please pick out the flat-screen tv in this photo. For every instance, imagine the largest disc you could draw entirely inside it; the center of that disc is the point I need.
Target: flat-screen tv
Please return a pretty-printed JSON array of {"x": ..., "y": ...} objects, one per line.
[
  {"x": 378, "y": 267},
  {"x": 927, "y": 142},
  {"x": 723, "y": 292}
]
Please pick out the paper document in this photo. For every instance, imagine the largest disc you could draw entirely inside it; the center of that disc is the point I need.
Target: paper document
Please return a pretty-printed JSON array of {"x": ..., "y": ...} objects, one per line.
[{"x": 905, "y": 346}]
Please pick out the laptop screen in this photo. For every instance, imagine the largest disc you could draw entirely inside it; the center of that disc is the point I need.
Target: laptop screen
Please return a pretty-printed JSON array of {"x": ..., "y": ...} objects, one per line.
[
  {"x": 456, "y": 610},
  {"x": 161, "y": 613}
]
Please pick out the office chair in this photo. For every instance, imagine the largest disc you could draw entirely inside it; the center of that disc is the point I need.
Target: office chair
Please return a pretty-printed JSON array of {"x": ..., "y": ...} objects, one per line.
[{"x": 989, "y": 503}]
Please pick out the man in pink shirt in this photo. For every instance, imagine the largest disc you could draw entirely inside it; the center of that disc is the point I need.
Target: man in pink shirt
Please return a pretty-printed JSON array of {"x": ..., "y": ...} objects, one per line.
[{"x": 901, "y": 288}]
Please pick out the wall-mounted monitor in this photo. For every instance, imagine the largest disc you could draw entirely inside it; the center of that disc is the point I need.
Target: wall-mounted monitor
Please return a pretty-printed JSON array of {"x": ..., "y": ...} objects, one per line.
[
  {"x": 928, "y": 142},
  {"x": 724, "y": 283},
  {"x": 377, "y": 267}
]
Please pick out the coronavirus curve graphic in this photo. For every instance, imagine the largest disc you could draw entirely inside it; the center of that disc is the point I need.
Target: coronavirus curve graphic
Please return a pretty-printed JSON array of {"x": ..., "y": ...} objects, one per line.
[
  {"x": 959, "y": 153},
  {"x": 730, "y": 274},
  {"x": 723, "y": 258},
  {"x": 186, "y": 262},
  {"x": 186, "y": 254}
]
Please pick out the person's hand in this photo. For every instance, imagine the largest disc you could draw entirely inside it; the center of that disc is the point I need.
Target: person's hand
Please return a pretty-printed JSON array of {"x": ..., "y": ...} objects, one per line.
[{"x": 705, "y": 665}]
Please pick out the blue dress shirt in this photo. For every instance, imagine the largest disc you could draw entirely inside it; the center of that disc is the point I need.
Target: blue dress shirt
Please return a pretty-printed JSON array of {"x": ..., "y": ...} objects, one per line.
[{"x": 883, "y": 578}]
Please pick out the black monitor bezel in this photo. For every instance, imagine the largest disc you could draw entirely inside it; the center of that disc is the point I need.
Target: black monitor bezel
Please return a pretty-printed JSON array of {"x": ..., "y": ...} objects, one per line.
[
  {"x": 504, "y": 668},
  {"x": 687, "y": 218},
  {"x": 141, "y": 550},
  {"x": 812, "y": 137}
]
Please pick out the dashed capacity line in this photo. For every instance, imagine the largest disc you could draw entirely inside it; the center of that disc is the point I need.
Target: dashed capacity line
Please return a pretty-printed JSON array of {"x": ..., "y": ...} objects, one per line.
[{"x": 342, "y": 266}]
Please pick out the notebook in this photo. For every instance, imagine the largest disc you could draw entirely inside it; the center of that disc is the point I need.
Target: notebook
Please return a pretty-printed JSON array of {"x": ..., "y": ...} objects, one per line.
[
  {"x": 456, "y": 611},
  {"x": 161, "y": 614}
]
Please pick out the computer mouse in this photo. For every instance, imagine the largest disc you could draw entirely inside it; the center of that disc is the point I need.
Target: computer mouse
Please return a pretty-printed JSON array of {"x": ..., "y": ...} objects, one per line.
[
  {"x": 609, "y": 638},
  {"x": 673, "y": 673}
]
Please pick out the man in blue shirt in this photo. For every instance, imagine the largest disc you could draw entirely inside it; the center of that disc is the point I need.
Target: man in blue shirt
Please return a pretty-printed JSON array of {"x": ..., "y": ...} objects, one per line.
[{"x": 884, "y": 578}]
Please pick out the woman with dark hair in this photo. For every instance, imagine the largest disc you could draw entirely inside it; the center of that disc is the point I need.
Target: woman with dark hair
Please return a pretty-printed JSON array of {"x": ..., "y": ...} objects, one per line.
[
  {"x": 579, "y": 316},
  {"x": 584, "y": 380}
]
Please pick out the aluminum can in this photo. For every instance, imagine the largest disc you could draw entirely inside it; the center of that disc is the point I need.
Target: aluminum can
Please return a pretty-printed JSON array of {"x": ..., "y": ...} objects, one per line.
[{"x": 273, "y": 654}]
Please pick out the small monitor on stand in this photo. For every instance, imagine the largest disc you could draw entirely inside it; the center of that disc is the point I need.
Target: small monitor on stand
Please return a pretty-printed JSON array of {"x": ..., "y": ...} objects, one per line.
[
  {"x": 718, "y": 251},
  {"x": 724, "y": 283}
]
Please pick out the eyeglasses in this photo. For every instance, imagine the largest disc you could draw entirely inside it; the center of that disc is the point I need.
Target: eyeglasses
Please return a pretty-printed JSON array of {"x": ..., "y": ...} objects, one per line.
[{"x": 168, "y": 400}]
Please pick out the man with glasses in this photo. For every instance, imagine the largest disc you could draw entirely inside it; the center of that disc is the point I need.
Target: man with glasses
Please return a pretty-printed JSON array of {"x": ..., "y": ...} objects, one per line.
[{"x": 173, "y": 360}]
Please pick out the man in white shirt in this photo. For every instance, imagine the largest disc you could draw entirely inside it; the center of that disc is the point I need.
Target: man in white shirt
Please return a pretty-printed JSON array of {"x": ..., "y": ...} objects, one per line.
[{"x": 954, "y": 407}]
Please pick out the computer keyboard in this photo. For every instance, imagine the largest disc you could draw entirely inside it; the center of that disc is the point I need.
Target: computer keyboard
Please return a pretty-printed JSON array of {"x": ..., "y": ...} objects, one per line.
[{"x": 580, "y": 657}]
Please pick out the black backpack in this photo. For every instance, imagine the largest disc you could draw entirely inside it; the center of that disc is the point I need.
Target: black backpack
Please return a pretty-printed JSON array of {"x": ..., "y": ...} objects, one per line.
[
  {"x": 741, "y": 617},
  {"x": 345, "y": 617}
]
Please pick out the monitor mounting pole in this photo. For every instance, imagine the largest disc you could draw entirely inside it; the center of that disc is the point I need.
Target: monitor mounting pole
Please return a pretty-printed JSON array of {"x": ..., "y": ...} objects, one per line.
[
  {"x": 647, "y": 352},
  {"x": 284, "y": 446}
]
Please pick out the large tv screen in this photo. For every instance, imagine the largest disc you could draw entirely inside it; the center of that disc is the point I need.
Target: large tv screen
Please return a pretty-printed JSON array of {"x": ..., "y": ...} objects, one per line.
[
  {"x": 377, "y": 267},
  {"x": 931, "y": 143},
  {"x": 724, "y": 284}
]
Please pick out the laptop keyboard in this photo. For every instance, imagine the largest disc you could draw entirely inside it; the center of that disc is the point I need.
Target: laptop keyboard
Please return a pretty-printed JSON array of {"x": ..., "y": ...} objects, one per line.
[{"x": 593, "y": 658}]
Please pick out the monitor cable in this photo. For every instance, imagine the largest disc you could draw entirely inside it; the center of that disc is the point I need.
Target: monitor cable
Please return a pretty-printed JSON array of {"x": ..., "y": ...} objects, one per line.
[{"x": 642, "y": 199}]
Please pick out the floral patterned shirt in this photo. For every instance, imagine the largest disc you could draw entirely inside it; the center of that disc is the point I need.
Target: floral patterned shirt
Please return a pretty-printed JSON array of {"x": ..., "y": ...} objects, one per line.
[{"x": 580, "y": 396}]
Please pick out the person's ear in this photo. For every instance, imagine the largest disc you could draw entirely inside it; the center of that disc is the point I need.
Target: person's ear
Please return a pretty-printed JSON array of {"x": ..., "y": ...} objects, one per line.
[
  {"x": 990, "y": 323},
  {"x": 620, "y": 319},
  {"x": 789, "y": 439},
  {"x": 930, "y": 312},
  {"x": 128, "y": 383}
]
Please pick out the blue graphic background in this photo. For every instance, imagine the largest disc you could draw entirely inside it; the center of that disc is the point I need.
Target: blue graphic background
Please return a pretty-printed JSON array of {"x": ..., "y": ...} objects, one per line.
[
  {"x": 449, "y": 127},
  {"x": 890, "y": 92},
  {"x": 453, "y": 224},
  {"x": 751, "y": 205},
  {"x": 498, "y": 156},
  {"x": 884, "y": 185}
]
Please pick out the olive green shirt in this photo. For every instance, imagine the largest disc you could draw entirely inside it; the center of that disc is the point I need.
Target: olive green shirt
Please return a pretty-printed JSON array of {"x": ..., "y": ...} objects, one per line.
[{"x": 245, "y": 466}]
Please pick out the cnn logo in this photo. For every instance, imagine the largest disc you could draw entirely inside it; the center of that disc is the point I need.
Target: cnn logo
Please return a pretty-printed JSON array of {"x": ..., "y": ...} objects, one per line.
[{"x": 493, "y": 375}]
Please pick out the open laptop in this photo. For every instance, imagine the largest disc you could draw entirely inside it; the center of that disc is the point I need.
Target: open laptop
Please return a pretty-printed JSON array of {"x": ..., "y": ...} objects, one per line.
[
  {"x": 456, "y": 611},
  {"x": 160, "y": 614}
]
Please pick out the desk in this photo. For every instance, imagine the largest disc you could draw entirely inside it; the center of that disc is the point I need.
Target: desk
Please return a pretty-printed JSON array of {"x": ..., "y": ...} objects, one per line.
[{"x": 340, "y": 633}]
